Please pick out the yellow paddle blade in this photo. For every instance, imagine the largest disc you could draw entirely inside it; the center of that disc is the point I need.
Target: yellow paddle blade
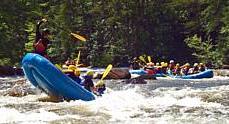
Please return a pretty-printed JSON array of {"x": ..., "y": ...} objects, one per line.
[
  {"x": 78, "y": 65},
  {"x": 58, "y": 66},
  {"x": 78, "y": 37},
  {"x": 149, "y": 58},
  {"x": 99, "y": 83},
  {"x": 142, "y": 59},
  {"x": 78, "y": 58},
  {"x": 105, "y": 73}
]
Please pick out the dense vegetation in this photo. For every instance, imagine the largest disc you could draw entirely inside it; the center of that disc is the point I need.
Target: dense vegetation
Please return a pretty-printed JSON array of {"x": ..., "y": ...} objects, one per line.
[{"x": 117, "y": 30}]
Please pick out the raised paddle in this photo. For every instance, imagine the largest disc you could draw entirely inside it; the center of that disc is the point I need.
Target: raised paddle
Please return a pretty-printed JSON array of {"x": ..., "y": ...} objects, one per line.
[
  {"x": 78, "y": 59},
  {"x": 149, "y": 58},
  {"x": 81, "y": 38},
  {"x": 78, "y": 37},
  {"x": 167, "y": 76},
  {"x": 142, "y": 59},
  {"x": 58, "y": 66},
  {"x": 105, "y": 73}
]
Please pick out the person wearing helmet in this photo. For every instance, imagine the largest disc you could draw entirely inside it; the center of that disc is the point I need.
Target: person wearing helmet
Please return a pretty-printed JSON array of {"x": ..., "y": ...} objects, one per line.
[
  {"x": 177, "y": 70},
  {"x": 41, "y": 42},
  {"x": 194, "y": 69},
  {"x": 135, "y": 64},
  {"x": 171, "y": 67},
  {"x": 164, "y": 67},
  {"x": 150, "y": 69},
  {"x": 87, "y": 82},
  {"x": 73, "y": 73},
  {"x": 185, "y": 69},
  {"x": 202, "y": 67}
]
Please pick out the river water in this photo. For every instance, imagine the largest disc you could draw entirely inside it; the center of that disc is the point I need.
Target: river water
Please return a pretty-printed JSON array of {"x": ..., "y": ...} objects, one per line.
[{"x": 159, "y": 101}]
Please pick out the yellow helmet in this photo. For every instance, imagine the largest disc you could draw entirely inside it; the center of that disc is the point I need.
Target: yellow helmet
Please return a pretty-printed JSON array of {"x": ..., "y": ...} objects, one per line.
[
  {"x": 195, "y": 64},
  {"x": 90, "y": 73},
  {"x": 77, "y": 72},
  {"x": 162, "y": 63},
  {"x": 71, "y": 67},
  {"x": 165, "y": 64},
  {"x": 187, "y": 65}
]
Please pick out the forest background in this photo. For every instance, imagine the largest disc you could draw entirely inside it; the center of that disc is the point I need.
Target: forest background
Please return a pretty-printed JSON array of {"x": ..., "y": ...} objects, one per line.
[{"x": 118, "y": 30}]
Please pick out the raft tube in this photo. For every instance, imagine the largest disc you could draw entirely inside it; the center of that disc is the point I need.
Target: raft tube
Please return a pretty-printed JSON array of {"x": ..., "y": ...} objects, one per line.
[
  {"x": 139, "y": 72},
  {"x": 205, "y": 74},
  {"x": 44, "y": 75}
]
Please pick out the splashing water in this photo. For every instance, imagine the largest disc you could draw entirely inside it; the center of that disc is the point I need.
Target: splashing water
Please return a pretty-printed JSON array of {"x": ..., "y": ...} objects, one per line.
[{"x": 159, "y": 101}]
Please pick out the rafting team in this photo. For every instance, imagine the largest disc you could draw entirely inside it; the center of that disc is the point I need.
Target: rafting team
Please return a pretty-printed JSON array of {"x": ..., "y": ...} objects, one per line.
[
  {"x": 171, "y": 69},
  {"x": 40, "y": 47}
]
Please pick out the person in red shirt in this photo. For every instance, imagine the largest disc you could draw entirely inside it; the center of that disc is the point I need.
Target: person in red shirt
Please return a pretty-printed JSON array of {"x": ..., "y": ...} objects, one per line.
[{"x": 41, "y": 42}]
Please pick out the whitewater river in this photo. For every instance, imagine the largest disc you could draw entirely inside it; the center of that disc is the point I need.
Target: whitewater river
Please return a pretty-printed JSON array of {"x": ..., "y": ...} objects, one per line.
[{"x": 159, "y": 101}]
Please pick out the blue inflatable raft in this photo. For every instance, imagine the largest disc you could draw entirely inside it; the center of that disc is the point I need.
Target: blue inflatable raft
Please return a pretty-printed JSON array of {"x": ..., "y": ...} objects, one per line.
[
  {"x": 205, "y": 74},
  {"x": 44, "y": 75},
  {"x": 139, "y": 72}
]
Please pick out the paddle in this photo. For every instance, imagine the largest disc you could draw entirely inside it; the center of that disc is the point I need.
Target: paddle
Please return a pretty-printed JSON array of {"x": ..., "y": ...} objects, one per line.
[
  {"x": 167, "y": 76},
  {"x": 105, "y": 73},
  {"x": 149, "y": 58},
  {"x": 78, "y": 59},
  {"x": 78, "y": 37},
  {"x": 81, "y": 38},
  {"x": 142, "y": 59},
  {"x": 58, "y": 66}
]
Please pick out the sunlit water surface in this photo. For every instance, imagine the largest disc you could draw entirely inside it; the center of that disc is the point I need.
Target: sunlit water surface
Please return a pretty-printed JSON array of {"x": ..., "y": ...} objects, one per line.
[{"x": 159, "y": 101}]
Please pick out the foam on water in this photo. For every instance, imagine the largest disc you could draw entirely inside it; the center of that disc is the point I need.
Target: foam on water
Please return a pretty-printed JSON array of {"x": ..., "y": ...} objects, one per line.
[
  {"x": 121, "y": 104},
  {"x": 12, "y": 115},
  {"x": 181, "y": 104}
]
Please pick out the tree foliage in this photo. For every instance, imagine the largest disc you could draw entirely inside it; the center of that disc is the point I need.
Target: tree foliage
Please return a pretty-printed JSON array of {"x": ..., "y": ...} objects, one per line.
[{"x": 117, "y": 30}]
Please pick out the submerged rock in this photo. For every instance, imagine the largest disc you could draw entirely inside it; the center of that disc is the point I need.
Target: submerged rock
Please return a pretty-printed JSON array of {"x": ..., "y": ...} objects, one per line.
[
  {"x": 20, "y": 88},
  {"x": 136, "y": 80}
]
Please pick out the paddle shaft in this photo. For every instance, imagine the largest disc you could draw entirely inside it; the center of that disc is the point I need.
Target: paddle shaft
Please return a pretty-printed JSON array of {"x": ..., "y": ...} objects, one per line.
[
  {"x": 142, "y": 59},
  {"x": 149, "y": 58},
  {"x": 67, "y": 31},
  {"x": 105, "y": 73},
  {"x": 78, "y": 58}
]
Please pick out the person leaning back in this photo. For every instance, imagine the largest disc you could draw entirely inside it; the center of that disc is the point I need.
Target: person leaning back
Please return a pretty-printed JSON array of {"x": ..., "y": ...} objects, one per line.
[{"x": 41, "y": 42}]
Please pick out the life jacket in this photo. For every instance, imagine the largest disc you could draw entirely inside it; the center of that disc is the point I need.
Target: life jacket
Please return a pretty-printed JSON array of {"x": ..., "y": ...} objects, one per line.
[
  {"x": 177, "y": 70},
  {"x": 202, "y": 68},
  {"x": 171, "y": 67},
  {"x": 39, "y": 47},
  {"x": 101, "y": 89},
  {"x": 151, "y": 71},
  {"x": 158, "y": 70},
  {"x": 195, "y": 70},
  {"x": 87, "y": 83},
  {"x": 185, "y": 71}
]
